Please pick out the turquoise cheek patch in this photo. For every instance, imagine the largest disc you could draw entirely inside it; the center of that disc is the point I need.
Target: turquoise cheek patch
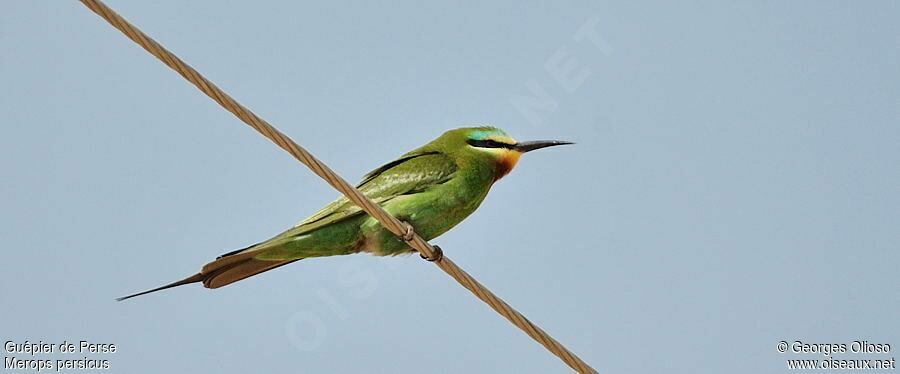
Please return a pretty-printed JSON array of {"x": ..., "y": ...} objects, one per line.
[{"x": 484, "y": 134}]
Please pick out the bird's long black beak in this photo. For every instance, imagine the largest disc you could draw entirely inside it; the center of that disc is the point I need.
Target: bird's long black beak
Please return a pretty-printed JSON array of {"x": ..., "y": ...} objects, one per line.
[{"x": 538, "y": 144}]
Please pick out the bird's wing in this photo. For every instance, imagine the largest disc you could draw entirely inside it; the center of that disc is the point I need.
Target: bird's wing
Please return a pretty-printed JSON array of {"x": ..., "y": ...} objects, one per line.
[
  {"x": 406, "y": 175},
  {"x": 412, "y": 173}
]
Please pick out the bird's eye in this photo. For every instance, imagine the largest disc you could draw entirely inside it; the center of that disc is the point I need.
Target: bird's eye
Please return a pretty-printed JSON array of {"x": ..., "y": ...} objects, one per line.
[{"x": 487, "y": 143}]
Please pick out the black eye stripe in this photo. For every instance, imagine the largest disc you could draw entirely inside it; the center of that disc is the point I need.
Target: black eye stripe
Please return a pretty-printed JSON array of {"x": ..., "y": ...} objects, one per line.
[{"x": 488, "y": 143}]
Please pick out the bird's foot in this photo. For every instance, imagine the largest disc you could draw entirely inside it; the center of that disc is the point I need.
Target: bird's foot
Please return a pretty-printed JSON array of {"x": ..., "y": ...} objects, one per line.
[
  {"x": 410, "y": 232},
  {"x": 436, "y": 256},
  {"x": 408, "y": 236}
]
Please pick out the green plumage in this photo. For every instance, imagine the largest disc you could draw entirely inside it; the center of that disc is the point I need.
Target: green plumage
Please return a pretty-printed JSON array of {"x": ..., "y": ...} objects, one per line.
[{"x": 433, "y": 188}]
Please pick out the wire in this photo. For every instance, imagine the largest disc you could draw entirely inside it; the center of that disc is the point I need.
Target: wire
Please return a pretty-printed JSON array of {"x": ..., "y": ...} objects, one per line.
[{"x": 320, "y": 169}]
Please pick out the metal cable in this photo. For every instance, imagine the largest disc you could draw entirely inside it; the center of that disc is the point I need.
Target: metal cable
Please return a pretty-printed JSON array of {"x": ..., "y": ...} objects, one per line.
[{"x": 320, "y": 169}]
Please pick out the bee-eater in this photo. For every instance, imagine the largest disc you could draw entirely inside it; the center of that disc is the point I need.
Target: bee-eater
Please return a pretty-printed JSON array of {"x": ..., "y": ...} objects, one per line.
[{"x": 432, "y": 188}]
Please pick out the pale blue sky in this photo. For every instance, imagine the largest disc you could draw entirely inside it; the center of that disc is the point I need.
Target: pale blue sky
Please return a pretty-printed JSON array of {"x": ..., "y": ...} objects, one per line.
[{"x": 735, "y": 181}]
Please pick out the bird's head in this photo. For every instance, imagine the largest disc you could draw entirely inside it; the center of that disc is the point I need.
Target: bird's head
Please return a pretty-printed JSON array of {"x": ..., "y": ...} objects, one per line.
[{"x": 496, "y": 145}]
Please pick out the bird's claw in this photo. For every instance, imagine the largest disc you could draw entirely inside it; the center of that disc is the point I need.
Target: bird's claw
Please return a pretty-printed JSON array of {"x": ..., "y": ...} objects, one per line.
[
  {"x": 436, "y": 256},
  {"x": 408, "y": 236},
  {"x": 410, "y": 232}
]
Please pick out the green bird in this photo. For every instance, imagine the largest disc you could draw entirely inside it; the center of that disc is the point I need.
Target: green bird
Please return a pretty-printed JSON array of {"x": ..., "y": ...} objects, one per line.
[{"x": 432, "y": 188}]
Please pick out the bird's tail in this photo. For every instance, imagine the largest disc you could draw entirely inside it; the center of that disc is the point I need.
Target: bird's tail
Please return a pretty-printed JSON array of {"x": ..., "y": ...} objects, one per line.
[
  {"x": 227, "y": 269},
  {"x": 191, "y": 279}
]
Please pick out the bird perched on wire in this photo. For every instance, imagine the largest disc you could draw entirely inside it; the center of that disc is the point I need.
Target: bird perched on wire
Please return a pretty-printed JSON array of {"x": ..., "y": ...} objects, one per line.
[{"x": 431, "y": 188}]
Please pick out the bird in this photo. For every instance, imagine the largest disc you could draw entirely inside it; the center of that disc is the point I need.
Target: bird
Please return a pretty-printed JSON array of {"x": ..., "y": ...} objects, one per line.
[{"x": 430, "y": 189}]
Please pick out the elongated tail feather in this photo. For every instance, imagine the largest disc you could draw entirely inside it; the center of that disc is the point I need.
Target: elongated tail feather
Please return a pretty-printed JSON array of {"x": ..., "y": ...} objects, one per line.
[
  {"x": 227, "y": 269},
  {"x": 191, "y": 279},
  {"x": 235, "y": 272}
]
